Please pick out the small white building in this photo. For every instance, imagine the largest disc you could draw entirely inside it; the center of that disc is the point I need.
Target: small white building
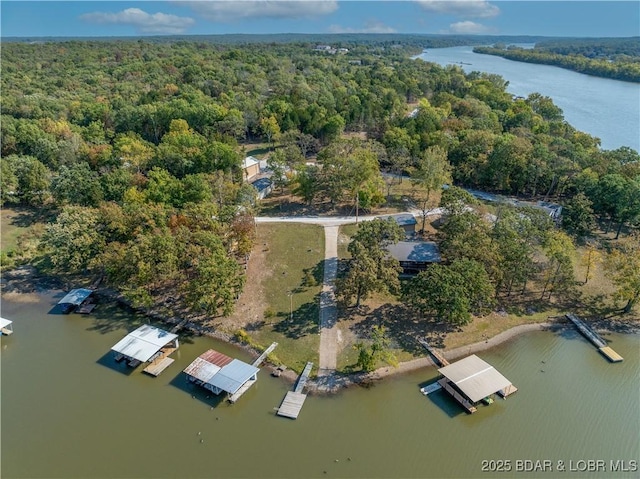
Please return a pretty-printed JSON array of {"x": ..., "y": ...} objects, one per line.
[{"x": 250, "y": 168}]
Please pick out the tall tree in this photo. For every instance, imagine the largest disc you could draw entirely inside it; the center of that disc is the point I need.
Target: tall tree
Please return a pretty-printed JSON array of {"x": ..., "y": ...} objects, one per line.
[
  {"x": 432, "y": 171},
  {"x": 577, "y": 216},
  {"x": 451, "y": 293},
  {"x": 73, "y": 240},
  {"x": 370, "y": 268},
  {"x": 369, "y": 355},
  {"x": 623, "y": 267}
]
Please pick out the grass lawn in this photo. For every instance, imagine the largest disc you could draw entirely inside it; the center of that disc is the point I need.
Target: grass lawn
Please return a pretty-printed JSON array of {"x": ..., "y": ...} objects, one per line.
[
  {"x": 291, "y": 286},
  {"x": 20, "y": 229}
]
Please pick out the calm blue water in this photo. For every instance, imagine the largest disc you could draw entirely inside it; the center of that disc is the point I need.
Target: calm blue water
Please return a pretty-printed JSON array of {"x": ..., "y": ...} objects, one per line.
[{"x": 606, "y": 109}]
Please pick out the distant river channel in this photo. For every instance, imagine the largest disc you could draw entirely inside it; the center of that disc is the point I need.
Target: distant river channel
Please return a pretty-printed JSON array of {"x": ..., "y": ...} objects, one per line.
[
  {"x": 68, "y": 412},
  {"x": 607, "y": 109}
]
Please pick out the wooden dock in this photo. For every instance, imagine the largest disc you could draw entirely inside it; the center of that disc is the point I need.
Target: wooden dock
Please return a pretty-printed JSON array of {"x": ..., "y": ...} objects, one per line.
[
  {"x": 610, "y": 354},
  {"x": 595, "y": 338},
  {"x": 162, "y": 362},
  {"x": 156, "y": 367},
  {"x": 294, "y": 400},
  {"x": 243, "y": 389},
  {"x": 291, "y": 405},
  {"x": 264, "y": 355},
  {"x": 437, "y": 356}
]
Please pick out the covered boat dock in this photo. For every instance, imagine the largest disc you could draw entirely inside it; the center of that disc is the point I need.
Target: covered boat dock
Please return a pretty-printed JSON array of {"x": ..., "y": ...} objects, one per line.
[
  {"x": 74, "y": 299},
  {"x": 6, "y": 328},
  {"x": 147, "y": 344},
  {"x": 472, "y": 380},
  {"x": 219, "y": 373}
]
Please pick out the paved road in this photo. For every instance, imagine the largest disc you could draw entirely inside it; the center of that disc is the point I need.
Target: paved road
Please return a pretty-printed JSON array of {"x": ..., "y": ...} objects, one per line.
[{"x": 328, "y": 309}]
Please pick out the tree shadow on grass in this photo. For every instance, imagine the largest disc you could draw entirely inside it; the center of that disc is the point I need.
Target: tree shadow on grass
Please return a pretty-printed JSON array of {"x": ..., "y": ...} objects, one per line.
[
  {"x": 404, "y": 327},
  {"x": 303, "y": 321},
  {"x": 24, "y": 217}
]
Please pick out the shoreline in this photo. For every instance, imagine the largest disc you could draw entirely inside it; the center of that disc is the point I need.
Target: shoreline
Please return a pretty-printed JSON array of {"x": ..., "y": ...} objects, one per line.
[{"x": 30, "y": 287}]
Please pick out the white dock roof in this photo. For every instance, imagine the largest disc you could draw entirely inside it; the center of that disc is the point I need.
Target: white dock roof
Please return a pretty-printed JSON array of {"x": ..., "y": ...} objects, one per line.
[
  {"x": 4, "y": 322},
  {"x": 76, "y": 296},
  {"x": 144, "y": 342},
  {"x": 476, "y": 378}
]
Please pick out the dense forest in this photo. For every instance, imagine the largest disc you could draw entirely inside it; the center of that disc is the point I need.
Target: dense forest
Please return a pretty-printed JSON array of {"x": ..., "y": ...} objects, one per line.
[
  {"x": 137, "y": 147},
  {"x": 617, "y": 58}
]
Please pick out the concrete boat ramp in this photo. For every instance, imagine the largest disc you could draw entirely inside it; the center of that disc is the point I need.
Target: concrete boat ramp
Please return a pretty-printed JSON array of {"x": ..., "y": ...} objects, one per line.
[{"x": 294, "y": 400}]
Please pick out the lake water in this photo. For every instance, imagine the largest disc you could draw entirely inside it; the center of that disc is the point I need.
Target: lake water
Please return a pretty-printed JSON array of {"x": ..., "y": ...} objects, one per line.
[
  {"x": 607, "y": 109},
  {"x": 69, "y": 412}
]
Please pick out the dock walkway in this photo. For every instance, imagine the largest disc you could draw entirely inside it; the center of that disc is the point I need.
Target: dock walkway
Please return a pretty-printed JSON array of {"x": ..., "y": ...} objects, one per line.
[
  {"x": 595, "y": 338},
  {"x": 439, "y": 358},
  {"x": 264, "y": 355},
  {"x": 294, "y": 400}
]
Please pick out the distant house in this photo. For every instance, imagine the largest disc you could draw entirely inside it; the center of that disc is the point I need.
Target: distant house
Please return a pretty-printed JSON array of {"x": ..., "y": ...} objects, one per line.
[
  {"x": 414, "y": 256},
  {"x": 219, "y": 373},
  {"x": 406, "y": 221},
  {"x": 263, "y": 186},
  {"x": 250, "y": 168},
  {"x": 553, "y": 210}
]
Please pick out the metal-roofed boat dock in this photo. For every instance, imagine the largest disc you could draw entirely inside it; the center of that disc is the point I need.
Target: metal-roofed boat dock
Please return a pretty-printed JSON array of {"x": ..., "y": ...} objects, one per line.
[
  {"x": 472, "y": 380},
  {"x": 74, "y": 299},
  {"x": 147, "y": 344},
  {"x": 6, "y": 328},
  {"x": 219, "y": 373}
]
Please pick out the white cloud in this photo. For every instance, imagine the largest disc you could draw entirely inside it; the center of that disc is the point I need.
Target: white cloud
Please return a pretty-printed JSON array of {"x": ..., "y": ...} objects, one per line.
[
  {"x": 372, "y": 26},
  {"x": 156, "y": 23},
  {"x": 468, "y": 28},
  {"x": 461, "y": 8},
  {"x": 230, "y": 10}
]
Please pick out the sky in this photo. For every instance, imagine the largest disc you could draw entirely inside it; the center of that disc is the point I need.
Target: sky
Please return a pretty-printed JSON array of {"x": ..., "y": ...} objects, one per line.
[{"x": 206, "y": 17}]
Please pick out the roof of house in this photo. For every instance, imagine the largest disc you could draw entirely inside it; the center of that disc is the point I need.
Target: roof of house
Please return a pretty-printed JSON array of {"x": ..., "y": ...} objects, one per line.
[
  {"x": 144, "y": 342},
  {"x": 250, "y": 161},
  {"x": 476, "y": 378},
  {"x": 4, "y": 322},
  {"x": 403, "y": 219},
  {"x": 76, "y": 296},
  {"x": 261, "y": 184},
  {"x": 416, "y": 251},
  {"x": 221, "y": 371}
]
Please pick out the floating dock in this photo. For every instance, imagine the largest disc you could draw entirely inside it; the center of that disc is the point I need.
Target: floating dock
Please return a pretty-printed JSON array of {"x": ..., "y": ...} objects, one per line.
[
  {"x": 162, "y": 362},
  {"x": 294, "y": 400},
  {"x": 156, "y": 367},
  {"x": 431, "y": 388},
  {"x": 595, "y": 338}
]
